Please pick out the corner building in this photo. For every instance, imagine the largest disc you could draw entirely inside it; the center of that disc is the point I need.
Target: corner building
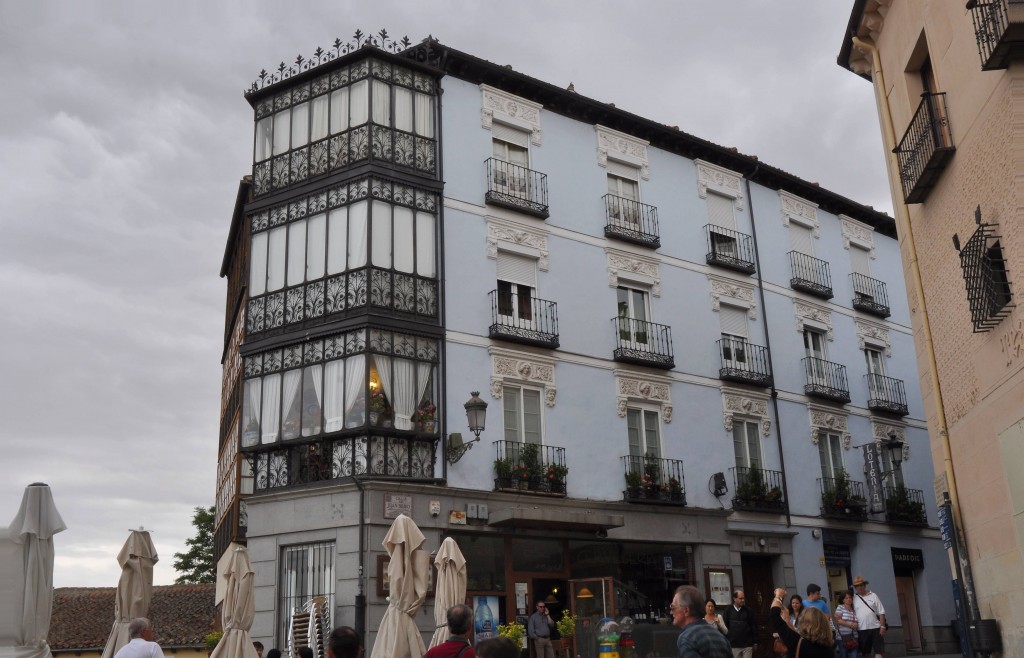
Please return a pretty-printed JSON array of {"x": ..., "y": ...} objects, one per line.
[{"x": 698, "y": 368}]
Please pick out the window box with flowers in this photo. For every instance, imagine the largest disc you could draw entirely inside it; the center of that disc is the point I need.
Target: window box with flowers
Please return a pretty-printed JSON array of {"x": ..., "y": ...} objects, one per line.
[
  {"x": 555, "y": 478},
  {"x": 426, "y": 417}
]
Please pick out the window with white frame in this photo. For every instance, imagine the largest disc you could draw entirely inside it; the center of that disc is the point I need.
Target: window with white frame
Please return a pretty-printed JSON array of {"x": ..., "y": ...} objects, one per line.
[
  {"x": 814, "y": 348},
  {"x": 746, "y": 443},
  {"x": 522, "y": 414},
  {"x": 830, "y": 454},
  {"x": 307, "y": 571},
  {"x": 633, "y": 314},
  {"x": 876, "y": 371},
  {"x": 644, "y": 430},
  {"x": 511, "y": 148},
  {"x": 623, "y": 192},
  {"x": 517, "y": 280},
  {"x": 860, "y": 263},
  {"x": 722, "y": 215},
  {"x": 733, "y": 321}
]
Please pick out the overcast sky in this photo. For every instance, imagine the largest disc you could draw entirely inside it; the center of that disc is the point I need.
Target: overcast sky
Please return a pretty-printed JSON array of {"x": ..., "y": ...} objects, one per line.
[{"x": 124, "y": 134}]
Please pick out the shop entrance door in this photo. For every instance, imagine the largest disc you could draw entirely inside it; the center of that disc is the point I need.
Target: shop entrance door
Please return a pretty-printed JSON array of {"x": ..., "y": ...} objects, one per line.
[
  {"x": 759, "y": 588},
  {"x": 906, "y": 596}
]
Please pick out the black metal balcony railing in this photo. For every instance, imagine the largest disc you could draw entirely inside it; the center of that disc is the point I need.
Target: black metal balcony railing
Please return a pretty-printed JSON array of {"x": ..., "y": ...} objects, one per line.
[
  {"x": 904, "y": 506},
  {"x": 653, "y": 480},
  {"x": 529, "y": 467},
  {"x": 743, "y": 362},
  {"x": 926, "y": 147},
  {"x": 842, "y": 498},
  {"x": 517, "y": 188},
  {"x": 810, "y": 274},
  {"x": 385, "y": 457},
  {"x": 523, "y": 319},
  {"x": 643, "y": 343},
  {"x": 826, "y": 380},
  {"x": 729, "y": 249},
  {"x": 631, "y": 221},
  {"x": 869, "y": 295},
  {"x": 999, "y": 29},
  {"x": 886, "y": 394},
  {"x": 757, "y": 490}
]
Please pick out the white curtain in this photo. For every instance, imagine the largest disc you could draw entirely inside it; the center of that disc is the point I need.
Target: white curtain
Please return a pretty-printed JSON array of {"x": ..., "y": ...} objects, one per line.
[
  {"x": 334, "y": 395},
  {"x": 381, "y": 234},
  {"x": 275, "y": 258},
  {"x": 320, "y": 112},
  {"x": 316, "y": 243},
  {"x": 296, "y": 252},
  {"x": 300, "y": 125},
  {"x": 357, "y": 234},
  {"x": 423, "y": 371},
  {"x": 424, "y": 115},
  {"x": 271, "y": 407},
  {"x": 383, "y": 366},
  {"x": 358, "y": 110},
  {"x": 403, "y": 239},
  {"x": 425, "y": 244},
  {"x": 355, "y": 385},
  {"x": 381, "y": 103},
  {"x": 282, "y": 131},
  {"x": 339, "y": 110},
  {"x": 405, "y": 393},
  {"x": 292, "y": 379},
  {"x": 258, "y": 265},
  {"x": 264, "y": 138},
  {"x": 337, "y": 240},
  {"x": 253, "y": 392},
  {"x": 403, "y": 109},
  {"x": 313, "y": 373}
]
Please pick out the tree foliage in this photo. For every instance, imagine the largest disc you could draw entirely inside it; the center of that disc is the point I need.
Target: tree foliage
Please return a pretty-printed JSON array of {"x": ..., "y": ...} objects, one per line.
[{"x": 196, "y": 564}]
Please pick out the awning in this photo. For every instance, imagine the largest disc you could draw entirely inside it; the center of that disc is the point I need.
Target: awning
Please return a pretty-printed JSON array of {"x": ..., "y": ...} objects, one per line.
[{"x": 546, "y": 519}]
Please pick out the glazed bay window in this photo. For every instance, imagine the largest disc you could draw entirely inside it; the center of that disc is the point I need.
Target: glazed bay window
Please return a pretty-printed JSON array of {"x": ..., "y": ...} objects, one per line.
[
  {"x": 369, "y": 110},
  {"x": 367, "y": 243}
]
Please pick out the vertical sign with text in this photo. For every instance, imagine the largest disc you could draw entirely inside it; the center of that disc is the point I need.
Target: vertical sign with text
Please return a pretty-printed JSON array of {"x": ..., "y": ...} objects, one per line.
[{"x": 873, "y": 475}]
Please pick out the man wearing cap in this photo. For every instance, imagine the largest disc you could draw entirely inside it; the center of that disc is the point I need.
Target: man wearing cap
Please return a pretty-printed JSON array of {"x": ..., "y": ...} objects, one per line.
[{"x": 871, "y": 623}]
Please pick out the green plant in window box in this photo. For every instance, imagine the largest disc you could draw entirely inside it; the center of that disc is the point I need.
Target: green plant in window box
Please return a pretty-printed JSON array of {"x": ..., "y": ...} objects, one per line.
[
  {"x": 529, "y": 459},
  {"x": 774, "y": 495},
  {"x": 753, "y": 487},
  {"x": 675, "y": 488},
  {"x": 633, "y": 479},
  {"x": 503, "y": 468}
]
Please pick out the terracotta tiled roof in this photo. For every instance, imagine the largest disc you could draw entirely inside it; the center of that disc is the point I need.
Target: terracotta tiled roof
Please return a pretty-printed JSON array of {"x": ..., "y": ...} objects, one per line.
[{"x": 83, "y": 616}]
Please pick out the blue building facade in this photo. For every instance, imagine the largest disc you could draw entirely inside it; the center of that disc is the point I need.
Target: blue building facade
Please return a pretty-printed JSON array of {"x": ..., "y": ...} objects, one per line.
[{"x": 699, "y": 369}]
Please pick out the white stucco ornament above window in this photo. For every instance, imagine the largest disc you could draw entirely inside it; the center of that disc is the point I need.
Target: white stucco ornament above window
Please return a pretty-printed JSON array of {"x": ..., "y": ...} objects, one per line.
[
  {"x": 625, "y": 268},
  {"x": 870, "y": 334},
  {"x": 858, "y": 234},
  {"x": 745, "y": 404},
  {"x": 732, "y": 292},
  {"x": 622, "y": 147},
  {"x": 801, "y": 211},
  {"x": 511, "y": 110},
  {"x": 825, "y": 420},
  {"x": 516, "y": 239},
  {"x": 508, "y": 366},
  {"x": 882, "y": 431},
  {"x": 810, "y": 316},
  {"x": 720, "y": 180},
  {"x": 641, "y": 387}
]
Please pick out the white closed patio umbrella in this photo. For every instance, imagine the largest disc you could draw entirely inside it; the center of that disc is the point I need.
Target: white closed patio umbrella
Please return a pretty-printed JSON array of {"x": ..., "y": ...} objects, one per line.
[
  {"x": 409, "y": 577},
  {"x": 451, "y": 586},
  {"x": 26, "y": 575},
  {"x": 238, "y": 608},
  {"x": 134, "y": 588}
]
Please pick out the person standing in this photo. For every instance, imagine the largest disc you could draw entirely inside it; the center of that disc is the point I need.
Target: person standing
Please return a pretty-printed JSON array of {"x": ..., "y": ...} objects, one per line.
[
  {"x": 259, "y": 648},
  {"x": 344, "y": 642},
  {"x": 814, "y": 600},
  {"x": 460, "y": 625},
  {"x": 846, "y": 621},
  {"x": 140, "y": 641},
  {"x": 870, "y": 619},
  {"x": 539, "y": 629},
  {"x": 698, "y": 639},
  {"x": 742, "y": 627},
  {"x": 712, "y": 617}
]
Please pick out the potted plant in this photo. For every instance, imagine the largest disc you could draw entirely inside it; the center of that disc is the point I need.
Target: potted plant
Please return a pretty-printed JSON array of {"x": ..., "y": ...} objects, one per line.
[
  {"x": 752, "y": 489},
  {"x": 503, "y": 470},
  {"x": 566, "y": 625},
  {"x": 652, "y": 477},
  {"x": 555, "y": 477},
  {"x": 530, "y": 468},
  {"x": 425, "y": 416},
  {"x": 675, "y": 489},
  {"x": 514, "y": 631},
  {"x": 633, "y": 481},
  {"x": 378, "y": 405}
]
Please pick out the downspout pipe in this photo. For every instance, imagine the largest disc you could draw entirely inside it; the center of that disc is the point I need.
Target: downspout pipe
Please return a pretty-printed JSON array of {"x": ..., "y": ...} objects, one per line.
[
  {"x": 905, "y": 234},
  {"x": 360, "y": 616},
  {"x": 768, "y": 344}
]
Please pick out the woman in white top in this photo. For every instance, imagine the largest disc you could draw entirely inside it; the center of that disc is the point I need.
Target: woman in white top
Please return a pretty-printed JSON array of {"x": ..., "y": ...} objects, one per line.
[
  {"x": 846, "y": 622},
  {"x": 712, "y": 617}
]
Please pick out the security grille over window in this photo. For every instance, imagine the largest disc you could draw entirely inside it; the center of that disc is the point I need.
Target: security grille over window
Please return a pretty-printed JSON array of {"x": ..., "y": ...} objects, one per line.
[
  {"x": 988, "y": 287},
  {"x": 306, "y": 588}
]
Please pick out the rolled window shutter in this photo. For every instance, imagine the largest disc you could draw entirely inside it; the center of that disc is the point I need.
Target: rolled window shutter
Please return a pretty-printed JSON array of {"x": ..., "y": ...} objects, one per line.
[
  {"x": 721, "y": 211},
  {"x": 733, "y": 320},
  {"x": 623, "y": 170},
  {"x": 517, "y": 269},
  {"x": 860, "y": 260},
  {"x": 801, "y": 239},
  {"x": 511, "y": 135}
]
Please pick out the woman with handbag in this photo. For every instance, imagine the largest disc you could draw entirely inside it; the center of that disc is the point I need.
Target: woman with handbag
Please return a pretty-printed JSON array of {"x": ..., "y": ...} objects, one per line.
[
  {"x": 813, "y": 635},
  {"x": 846, "y": 622}
]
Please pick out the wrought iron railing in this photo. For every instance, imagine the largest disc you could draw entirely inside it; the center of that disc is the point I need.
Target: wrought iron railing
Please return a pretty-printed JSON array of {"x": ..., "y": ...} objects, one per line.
[
  {"x": 886, "y": 394},
  {"x": 810, "y": 274},
  {"x": 529, "y": 467},
  {"x": 999, "y": 30},
  {"x": 904, "y": 506},
  {"x": 326, "y": 460},
  {"x": 516, "y": 187},
  {"x": 729, "y": 249},
  {"x": 985, "y": 275},
  {"x": 757, "y": 490},
  {"x": 842, "y": 498},
  {"x": 631, "y": 221},
  {"x": 523, "y": 319},
  {"x": 869, "y": 295},
  {"x": 826, "y": 380},
  {"x": 643, "y": 343},
  {"x": 926, "y": 147},
  {"x": 652, "y": 479},
  {"x": 743, "y": 362}
]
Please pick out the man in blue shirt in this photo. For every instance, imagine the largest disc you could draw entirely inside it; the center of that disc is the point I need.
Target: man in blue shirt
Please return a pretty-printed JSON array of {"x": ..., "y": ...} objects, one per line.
[
  {"x": 814, "y": 600},
  {"x": 698, "y": 639}
]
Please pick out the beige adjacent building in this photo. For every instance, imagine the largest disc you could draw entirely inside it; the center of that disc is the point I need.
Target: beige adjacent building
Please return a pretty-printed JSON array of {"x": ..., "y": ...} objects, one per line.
[{"x": 949, "y": 83}]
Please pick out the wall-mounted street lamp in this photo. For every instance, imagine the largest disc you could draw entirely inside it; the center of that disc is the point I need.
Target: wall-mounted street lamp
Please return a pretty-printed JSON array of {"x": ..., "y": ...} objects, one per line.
[
  {"x": 895, "y": 448},
  {"x": 476, "y": 414}
]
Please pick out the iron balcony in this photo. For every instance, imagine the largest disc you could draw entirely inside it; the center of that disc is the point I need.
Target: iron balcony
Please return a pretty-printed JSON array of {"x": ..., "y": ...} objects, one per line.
[
  {"x": 925, "y": 149},
  {"x": 842, "y": 498},
  {"x": 631, "y": 221},
  {"x": 653, "y": 480},
  {"x": 517, "y": 188},
  {"x": 869, "y": 295},
  {"x": 522, "y": 319},
  {"x": 643, "y": 343},
  {"x": 743, "y": 362},
  {"x": 886, "y": 394},
  {"x": 757, "y": 490},
  {"x": 826, "y": 380},
  {"x": 999, "y": 30},
  {"x": 904, "y": 506},
  {"x": 729, "y": 249},
  {"x": 810, "y": 275},
  {"x": 529, "y": 467}
]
